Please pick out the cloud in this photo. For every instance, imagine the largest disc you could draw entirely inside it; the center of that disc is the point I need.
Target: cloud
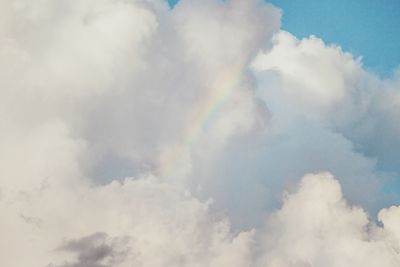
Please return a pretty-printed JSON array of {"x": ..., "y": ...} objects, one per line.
[
  {"x": 323, "y": 83},
  {"x": 93, "y": 251},
  {"x": 142, "y": 222},
  {"x": 318, "y": 91},
  {"x": 316, "y": 227},
  {"x": 136, "y": 135},
  {"x": 299, "y": 62}
]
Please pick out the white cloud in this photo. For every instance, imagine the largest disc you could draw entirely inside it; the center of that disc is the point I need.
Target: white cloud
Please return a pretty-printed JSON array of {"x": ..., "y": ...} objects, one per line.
[
  {"x": 146, "y": 222},
  {"x": 314, "y": 76},
  {"x": 314, "y": 91},
  {"x": 96, "y": 91},
  {"x": 316, "y": 227},
  {"x": 157, "y": 224}
]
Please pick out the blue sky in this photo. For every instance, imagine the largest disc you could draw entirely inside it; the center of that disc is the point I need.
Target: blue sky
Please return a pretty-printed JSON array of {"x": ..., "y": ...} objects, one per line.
[{"x": 368, "y": 28}]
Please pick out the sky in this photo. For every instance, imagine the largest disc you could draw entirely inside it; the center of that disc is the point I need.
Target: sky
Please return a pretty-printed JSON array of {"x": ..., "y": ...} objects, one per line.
[
  {"x": 376, "y": 23},
  {"x": 207, "y": 134}
]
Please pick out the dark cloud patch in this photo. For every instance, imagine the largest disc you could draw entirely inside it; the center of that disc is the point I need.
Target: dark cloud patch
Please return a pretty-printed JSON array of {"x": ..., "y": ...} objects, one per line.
[{"x": 96, "y": 250}]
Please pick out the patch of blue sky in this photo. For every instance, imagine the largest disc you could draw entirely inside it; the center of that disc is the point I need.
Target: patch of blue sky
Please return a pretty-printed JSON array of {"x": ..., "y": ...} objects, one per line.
[
  {"x": 172, "y": 3},
  {"x": 368, "y": 28}
]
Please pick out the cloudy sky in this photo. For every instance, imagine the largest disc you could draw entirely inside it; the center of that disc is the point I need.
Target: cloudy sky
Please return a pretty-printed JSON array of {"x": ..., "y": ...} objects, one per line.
[{"x": 199, "y": 133}]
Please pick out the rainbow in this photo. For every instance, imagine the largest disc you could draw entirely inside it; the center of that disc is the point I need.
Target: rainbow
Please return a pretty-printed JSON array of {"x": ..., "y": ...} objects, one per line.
[{"x": 217, "y": 96}]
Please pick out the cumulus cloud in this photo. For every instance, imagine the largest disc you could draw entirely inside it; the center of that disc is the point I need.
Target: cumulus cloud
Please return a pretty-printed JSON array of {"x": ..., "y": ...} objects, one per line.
[
  {"x": 316, "y": 227},
  {"x": 140, "y": 222},
  {"x": 318, "y": 91},
  {"x": 136, "y": 135}
]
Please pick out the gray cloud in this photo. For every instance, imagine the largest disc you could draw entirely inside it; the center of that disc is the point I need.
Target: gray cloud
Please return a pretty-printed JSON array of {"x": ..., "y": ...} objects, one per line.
[{"x": 95, "y": 250}]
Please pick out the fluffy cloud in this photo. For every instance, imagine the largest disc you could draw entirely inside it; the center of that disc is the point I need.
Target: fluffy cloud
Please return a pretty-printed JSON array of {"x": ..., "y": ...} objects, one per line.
[
  {"x": 143, "y": 222},
  {"x": 146, "y": 222},
  {"x": 309, "y": 79},
  {"x": 211, "y": 113},
  {"x": 316, "y": 227},
  {"x": 321, "y": 99}
]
